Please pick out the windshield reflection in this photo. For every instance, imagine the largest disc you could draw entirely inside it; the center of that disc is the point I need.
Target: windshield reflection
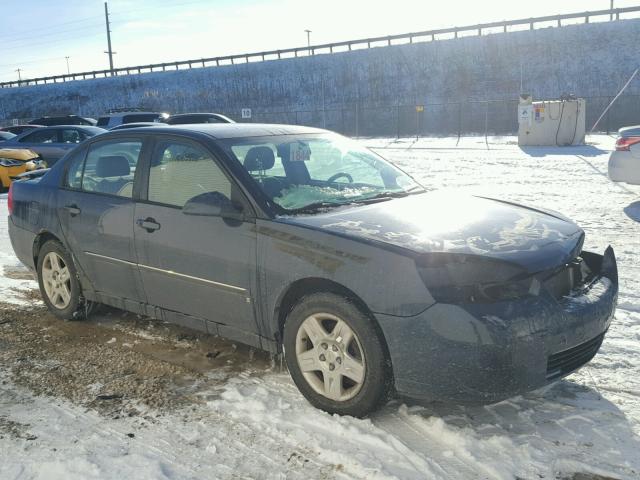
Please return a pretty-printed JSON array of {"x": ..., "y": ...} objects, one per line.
[{"x": 301, "y": 173}]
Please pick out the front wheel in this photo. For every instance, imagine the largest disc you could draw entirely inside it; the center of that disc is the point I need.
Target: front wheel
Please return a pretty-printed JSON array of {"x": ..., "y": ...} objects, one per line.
[
  {"x": 58, "y": 281},
  {"x": 336, "y": 356}
]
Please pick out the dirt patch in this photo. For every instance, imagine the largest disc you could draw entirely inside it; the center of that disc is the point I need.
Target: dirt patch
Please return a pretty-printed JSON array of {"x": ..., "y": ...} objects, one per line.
[
  {"x": 18, "y": 273},
  {"x": 9, "y": 428},
  {"x": 115, "y": 362}
]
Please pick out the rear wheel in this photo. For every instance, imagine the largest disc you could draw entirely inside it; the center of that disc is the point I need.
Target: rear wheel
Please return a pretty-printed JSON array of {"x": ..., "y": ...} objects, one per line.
[
  {"x": 58, "y": 282},
  {"x": 335, "y": 355}
]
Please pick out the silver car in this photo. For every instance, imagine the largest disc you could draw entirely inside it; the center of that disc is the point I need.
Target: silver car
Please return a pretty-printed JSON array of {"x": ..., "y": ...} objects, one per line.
[
  {"x": 624, "y": 162},
  {"x": 52, "y": 143}
]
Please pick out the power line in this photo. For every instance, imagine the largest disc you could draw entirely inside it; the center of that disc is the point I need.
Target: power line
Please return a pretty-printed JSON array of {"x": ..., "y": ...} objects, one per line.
[
  {"x": 171, "y": 4},
  {"x": 9, "y": 37},
  {"x": 58, "y": 40},
  {"x": 27, "y": 62},
  {"x": 18, "y": 41}
]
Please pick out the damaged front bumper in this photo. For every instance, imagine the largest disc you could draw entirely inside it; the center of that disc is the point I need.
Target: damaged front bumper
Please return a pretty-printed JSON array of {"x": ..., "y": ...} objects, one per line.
[{"x": 473, "y": 353}]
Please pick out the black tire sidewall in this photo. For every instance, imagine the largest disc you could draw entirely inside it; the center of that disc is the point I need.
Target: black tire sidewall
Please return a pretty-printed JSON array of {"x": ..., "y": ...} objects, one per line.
[
  {"x": 376, "y": 385},
  {"x": 72, "y": 311}
]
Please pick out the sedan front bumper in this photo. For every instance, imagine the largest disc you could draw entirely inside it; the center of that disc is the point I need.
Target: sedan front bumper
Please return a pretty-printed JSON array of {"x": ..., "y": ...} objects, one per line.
[{"x": 486, "y": 352}]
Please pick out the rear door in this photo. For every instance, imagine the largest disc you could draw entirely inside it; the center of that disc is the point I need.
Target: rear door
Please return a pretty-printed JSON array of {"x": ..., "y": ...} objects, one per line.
[
  {"x": 45, "y": 142},
  {"x": 96, "y": 209},
  {"x": 202, "y": 266}
]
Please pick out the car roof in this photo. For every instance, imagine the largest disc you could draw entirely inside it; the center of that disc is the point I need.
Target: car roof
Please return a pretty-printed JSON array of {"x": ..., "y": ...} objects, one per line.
[
  {"x": 629, "y": 131},
  {"x": 233, "y": 130},
  {"x": 132, "y": 112},
  {"x": 195, "y": 114},
  {"x": 81, "y": 127}
]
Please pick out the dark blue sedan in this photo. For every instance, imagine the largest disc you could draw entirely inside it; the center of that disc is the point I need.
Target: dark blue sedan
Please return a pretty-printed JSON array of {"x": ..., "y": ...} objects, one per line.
[{"x": 298, "y": 241}]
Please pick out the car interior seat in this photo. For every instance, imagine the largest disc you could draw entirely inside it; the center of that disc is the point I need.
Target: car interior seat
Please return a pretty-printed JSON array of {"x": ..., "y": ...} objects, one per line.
[
  {"x": 257, "y": 161},
  {"x": 110, "y": 173}
]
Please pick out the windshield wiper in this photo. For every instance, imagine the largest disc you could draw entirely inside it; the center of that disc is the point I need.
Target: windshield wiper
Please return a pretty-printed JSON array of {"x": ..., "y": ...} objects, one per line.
[
  {"x": 317, "y": 206},
  {"x": 390, "y": 195}
]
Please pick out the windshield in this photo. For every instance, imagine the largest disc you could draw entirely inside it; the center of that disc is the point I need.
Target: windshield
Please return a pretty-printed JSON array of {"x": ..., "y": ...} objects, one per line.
[{"x": 305, "y": 172}]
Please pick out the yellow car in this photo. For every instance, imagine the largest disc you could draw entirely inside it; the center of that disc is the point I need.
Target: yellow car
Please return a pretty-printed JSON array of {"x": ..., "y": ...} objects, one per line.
[{"x": 14, "y": 161}]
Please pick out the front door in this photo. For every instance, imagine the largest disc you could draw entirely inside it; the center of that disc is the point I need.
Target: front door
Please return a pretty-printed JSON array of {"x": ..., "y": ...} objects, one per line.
[
  {"x": 199, "y": 265},
  {"x": 96, "y": 211}
]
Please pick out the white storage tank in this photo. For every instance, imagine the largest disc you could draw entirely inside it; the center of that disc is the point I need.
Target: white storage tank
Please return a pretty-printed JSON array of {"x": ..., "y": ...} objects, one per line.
[{"x": 551, "y": 122}]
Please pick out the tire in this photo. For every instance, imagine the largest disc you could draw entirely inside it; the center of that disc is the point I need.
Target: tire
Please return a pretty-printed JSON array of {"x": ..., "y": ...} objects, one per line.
[
  {"x": 336, "y": 356},
  {"x": 54, "y": 278}
]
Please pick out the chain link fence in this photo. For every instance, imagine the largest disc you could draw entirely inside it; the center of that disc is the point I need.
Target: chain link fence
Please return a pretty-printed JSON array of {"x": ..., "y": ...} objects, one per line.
[
  {"x": 496, "y": 117},
  {"x": 439, "y": 119}
]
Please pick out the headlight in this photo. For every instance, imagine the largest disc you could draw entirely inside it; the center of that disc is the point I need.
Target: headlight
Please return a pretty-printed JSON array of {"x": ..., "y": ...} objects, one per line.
[
  {"x": 8, "y": 162},
  {"x": 459, "y": 278}
]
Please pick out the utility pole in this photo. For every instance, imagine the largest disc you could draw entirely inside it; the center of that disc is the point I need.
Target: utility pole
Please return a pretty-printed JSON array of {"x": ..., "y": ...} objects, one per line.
[
  {"x": 109, "y": 51},
  {"x": 309, "y": 40},
  {"x": 19, "y": 76},
  {"x": 68, "y": 69}
]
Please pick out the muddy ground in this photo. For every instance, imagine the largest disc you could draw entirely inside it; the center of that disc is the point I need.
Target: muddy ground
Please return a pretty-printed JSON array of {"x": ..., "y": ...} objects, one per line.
[{"x": 115, "y": 362}]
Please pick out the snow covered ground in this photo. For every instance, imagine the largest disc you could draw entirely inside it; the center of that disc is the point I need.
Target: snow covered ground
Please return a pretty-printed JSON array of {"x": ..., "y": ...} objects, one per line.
[{"x": 254, "y": 423}]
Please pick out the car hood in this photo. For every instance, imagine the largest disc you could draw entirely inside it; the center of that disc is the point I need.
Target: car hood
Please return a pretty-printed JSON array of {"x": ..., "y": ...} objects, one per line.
[
  {"x": 531, "y": 238},
  {"x": 23, "y": 154}
]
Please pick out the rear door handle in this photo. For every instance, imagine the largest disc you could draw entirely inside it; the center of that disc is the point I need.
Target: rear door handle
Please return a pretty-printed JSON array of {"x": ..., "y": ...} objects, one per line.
[
  {"x": 149, "y": 224},
  {"x": 72, "y": 209}
]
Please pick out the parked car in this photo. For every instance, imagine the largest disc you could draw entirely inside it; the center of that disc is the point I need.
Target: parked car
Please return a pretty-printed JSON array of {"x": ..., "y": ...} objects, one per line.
[
  {"x": 4, "y": 136},
  {"x": 624, "y": 161},
  {"x": 118, "y": 118},
  {"x": 51, "y": 143},
  {"x": 125, "y": 126},
  {"x": 187, "y": 118},
  {"x": 297, "y": 240},
  {"x": 14, "y": 162},
  {"x": 18, "y": 129},
  {"x": 63, "y": 120}
]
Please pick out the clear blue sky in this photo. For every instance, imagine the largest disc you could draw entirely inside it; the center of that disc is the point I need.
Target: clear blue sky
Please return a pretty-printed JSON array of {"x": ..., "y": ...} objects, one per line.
[{"x": 37, "y": 35}]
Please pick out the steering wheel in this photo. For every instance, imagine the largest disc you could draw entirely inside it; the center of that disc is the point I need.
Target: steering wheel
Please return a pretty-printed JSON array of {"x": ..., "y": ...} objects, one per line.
[{"x": 338, "y": 175}]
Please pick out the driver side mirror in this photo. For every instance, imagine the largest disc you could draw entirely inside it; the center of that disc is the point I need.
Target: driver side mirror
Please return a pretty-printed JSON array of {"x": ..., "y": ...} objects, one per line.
[{"x": 213, "y": 204}]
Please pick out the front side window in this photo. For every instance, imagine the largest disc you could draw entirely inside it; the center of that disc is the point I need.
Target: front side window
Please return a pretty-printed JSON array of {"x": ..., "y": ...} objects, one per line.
[
  {"x": 71, "y": 135},
  {"x": 41, "y": 136},
  {"x": 110, "y": 167},
  {"x": 181, "y": 171},
  {"x": 303, "y": 172}
]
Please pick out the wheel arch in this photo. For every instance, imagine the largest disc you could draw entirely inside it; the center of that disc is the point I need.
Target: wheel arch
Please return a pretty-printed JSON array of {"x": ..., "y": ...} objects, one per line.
[
  {"x": 39, "y": 241},
  {"x": 301, "y": 288}
]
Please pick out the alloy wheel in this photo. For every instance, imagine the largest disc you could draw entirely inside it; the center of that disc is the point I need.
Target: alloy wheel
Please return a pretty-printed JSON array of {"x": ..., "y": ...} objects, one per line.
[
  {"x": 330, "y": 357},
  {"x": 56, "y": 280}
]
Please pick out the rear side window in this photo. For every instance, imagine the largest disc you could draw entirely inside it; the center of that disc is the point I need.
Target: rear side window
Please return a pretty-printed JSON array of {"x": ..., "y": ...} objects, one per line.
[
  {"x": 74, "y": 171},
  {"x": 180, "y": 171},
  {"x": 103, "y": 122},
  {"x": 41, "y": 136},
  {"x": 185, "y": 120},
  {"x": 140, "y": 117},
  {"x": 110, "y": 168}
]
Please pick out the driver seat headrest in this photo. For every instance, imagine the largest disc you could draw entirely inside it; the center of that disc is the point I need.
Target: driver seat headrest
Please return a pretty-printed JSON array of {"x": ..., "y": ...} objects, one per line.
[{"x": 259, "y": 158}]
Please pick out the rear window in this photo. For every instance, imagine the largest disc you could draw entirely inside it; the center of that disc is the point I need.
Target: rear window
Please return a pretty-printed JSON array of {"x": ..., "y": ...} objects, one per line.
[
  {"x": 140, "y": 117},
  {"x": 103, "y": 122}
]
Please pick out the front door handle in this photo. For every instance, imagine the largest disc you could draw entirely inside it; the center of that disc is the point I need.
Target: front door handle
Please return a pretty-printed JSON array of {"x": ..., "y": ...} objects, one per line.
[
  {"x": 73, "y": 210},
  {"x": 149, "y": 224}
]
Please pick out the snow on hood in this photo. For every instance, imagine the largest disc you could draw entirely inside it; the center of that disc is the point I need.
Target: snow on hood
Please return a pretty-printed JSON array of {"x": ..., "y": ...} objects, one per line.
[{"x": 454, "y": 223}]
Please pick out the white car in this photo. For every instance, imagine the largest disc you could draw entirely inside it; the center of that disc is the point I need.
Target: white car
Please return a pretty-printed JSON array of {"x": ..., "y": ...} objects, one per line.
[{"x": 624, "y": 162}]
